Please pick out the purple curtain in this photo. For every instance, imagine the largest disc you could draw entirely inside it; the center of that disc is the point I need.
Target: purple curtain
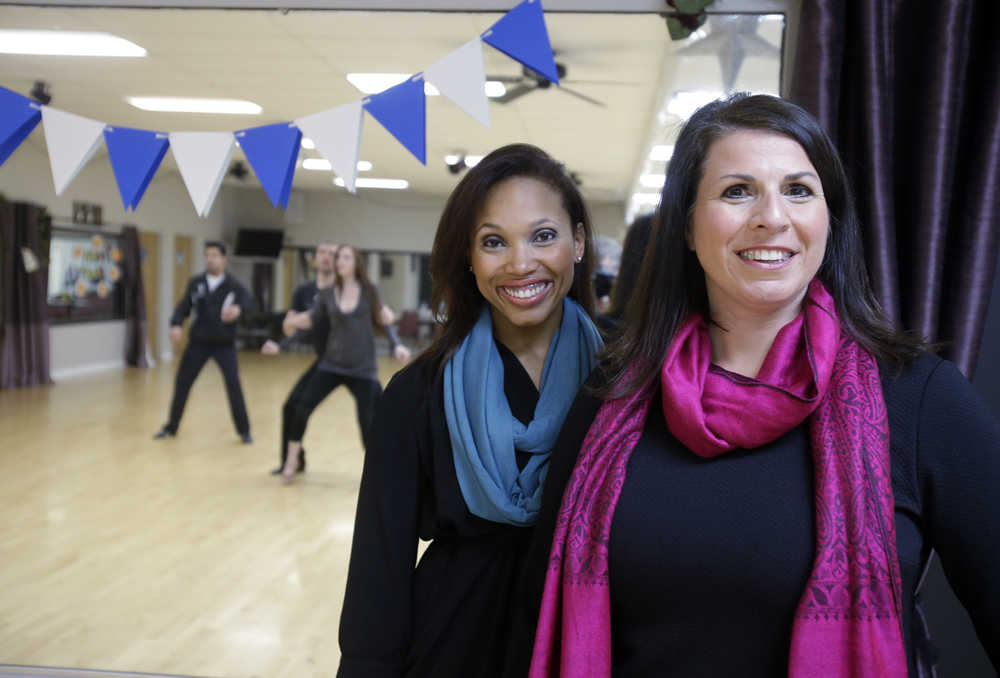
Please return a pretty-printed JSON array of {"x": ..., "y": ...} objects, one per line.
[
  {"x": 134, "y": 298},
  {"x": 910, "y": 91},
  {"x": 24, "y": 319}
]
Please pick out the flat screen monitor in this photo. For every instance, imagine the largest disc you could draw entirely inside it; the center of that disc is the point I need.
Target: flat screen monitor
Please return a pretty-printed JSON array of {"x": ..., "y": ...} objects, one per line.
[{"x": 258, "y": 242}]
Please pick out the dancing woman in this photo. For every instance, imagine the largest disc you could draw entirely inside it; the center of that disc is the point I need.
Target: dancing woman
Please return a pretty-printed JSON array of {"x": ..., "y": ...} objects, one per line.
[{"x": 353, "y": 311}]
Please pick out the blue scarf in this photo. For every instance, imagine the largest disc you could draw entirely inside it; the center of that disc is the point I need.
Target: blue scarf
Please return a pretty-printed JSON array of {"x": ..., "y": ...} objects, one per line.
[{"x": 484, "y": 433}]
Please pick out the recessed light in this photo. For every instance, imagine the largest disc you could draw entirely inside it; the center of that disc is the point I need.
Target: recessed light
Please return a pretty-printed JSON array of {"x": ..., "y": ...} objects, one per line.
[
  {"x": 661, "y": 152},
  {"x": 308, "y": 143},
  {"x": 67, "y": 43},
  {"x": 189, "y": 105},
  {"x": 495, "y": 88},
  {"x": 646, "y": 198},
  {"x": 473, "y": 160}
]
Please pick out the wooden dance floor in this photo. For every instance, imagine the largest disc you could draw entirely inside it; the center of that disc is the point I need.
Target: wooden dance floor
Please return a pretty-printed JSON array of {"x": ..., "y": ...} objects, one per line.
[{"x": 180, "y": 556}]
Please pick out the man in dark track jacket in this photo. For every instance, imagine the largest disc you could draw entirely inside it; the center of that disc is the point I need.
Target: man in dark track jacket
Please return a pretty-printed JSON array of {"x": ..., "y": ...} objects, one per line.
[{"x": 217, "y": 299}]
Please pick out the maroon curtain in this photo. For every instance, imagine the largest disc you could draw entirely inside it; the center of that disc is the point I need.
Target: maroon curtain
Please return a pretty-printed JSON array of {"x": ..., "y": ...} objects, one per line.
[
  {"x": 24, "y": 318},
  {"x": 910, "y": 91},
  {"x": 134, "y": 298}
]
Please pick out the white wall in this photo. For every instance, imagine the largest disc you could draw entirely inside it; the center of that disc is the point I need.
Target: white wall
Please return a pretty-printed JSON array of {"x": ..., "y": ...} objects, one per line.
[{"x": 387, "y": 221}]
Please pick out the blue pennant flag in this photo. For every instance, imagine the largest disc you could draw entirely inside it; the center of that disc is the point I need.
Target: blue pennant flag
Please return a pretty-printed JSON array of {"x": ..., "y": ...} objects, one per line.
[
  {"x": 135, "y": 156},
  {"x": 18, "y": 116},
  {"x": 272, "y": 151},
  {"x": 403, "y": 111},
  {"x": 521, "y": 35}
]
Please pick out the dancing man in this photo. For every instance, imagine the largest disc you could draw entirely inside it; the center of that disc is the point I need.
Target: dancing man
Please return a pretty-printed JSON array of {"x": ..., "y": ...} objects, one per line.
[{"x": 217, "y": 299}]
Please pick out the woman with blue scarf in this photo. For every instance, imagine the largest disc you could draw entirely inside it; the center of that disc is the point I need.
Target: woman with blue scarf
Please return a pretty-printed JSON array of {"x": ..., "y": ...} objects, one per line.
[{"x": 462, "y": 436}]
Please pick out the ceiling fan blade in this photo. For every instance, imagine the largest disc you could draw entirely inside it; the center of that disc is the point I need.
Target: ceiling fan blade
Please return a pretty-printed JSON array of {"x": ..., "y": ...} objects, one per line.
[
  {"x": 582, "y": 96},
  {"x": 515, "y": 92},
  {"x": 506, "y": 78}
]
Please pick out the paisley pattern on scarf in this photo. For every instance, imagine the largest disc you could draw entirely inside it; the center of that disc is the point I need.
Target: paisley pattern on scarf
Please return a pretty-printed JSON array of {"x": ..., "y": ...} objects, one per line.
[{"x": 848, "y": 620}]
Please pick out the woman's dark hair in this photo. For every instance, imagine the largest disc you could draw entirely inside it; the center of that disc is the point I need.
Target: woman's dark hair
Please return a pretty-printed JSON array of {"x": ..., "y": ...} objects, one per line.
[
  {"x": 671, "y": 283},
  {"x": 454, "y": 294},
  {"x": 636, "y": 242},
  {"x": 361, "y": 275}
]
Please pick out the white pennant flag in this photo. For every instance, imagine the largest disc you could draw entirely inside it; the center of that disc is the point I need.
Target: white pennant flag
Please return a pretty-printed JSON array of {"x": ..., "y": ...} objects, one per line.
[
  {"x": 203, "y": 159},
  {"x": 337, "y": 134},
  {"x": 461, "y": 77},
  {"x": 72, "y": 141}
]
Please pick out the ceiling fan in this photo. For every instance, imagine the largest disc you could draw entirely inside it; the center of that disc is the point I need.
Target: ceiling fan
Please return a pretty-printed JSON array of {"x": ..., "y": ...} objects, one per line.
[{"x": 529, "y": 81}]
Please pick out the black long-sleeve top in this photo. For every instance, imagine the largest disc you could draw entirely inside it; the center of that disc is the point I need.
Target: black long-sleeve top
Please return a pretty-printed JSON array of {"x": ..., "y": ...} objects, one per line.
[
  {"x": 708, "y": 557},
  {"x": 208, "y": 326},
  {"x": 449, "y": 615}
]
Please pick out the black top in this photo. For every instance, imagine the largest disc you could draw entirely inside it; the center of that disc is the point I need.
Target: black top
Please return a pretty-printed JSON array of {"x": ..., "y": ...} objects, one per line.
[
  {"x": 303, "y": 299},
  {"x": 208, "y": 327},
  {"x": 449, "y": 616},
  {"x": 708, "y": 557},
  {"x": 304, "y": 296}
]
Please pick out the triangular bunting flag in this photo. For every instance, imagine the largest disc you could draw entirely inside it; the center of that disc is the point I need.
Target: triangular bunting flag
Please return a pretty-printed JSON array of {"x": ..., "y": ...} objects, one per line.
[
  {"x": 337, "y": 134},
  {"x": 272, "y": 151},
  {"x": 135, "y": 156},
  {"x": 521, "y": 35},
  {"x": 202, "y": 158},
  {"x": 18, "y": 117},
  {"x": 72, "y": 141},
  {"x": 402, "y": 110},
  {"x": 461, "y": 76}
]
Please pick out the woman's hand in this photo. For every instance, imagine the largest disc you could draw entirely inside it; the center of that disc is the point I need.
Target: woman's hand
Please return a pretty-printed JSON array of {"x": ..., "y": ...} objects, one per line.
[
  {"x": 402, "y": 354},
  {"x": 296, "y": 321},
  {"x": 270, "y": 347}
]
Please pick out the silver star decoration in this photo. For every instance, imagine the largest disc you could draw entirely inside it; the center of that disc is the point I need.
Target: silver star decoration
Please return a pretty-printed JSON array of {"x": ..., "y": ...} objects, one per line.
[{"x": 733, "y": 37}]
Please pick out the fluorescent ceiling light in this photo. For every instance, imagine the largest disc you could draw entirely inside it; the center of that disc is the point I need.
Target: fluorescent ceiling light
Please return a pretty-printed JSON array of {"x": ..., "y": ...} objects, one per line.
[
  {"x": 364, "y": 182},
  {"x": 308, "y": 143},
  {"x": 472, "y": 160},
  {"x": 67, "y": 43},
  {"x": 322, "y": 164},
  {"x": 373, "y": 83},
  {"x": 685, "y": 102},
  {"x": 661, "y": 152},
  {"x": 652, "y": 180},
  {"x": 187, "y": 105}
]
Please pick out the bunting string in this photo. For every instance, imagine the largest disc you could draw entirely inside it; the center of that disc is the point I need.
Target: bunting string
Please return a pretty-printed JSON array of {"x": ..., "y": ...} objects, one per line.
[{"x": 272, "y": 150}]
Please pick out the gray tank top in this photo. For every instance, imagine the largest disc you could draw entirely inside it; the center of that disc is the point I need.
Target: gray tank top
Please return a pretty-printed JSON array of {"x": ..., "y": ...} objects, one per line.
[{"x": 350, "y": 346}]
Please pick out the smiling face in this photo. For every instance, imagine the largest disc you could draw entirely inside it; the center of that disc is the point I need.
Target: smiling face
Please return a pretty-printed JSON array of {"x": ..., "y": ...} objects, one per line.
[
  {"x": 346, "y": 264},
  {"x": 522, "y": 254},
  {"x": 759, "y": 224}
]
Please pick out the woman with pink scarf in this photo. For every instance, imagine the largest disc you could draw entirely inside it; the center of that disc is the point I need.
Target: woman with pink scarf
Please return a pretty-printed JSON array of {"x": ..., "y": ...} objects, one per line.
[{"x": 755, "y": 477}]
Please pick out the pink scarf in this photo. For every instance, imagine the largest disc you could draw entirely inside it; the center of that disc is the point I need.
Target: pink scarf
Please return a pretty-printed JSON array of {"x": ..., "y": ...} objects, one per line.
[{"x": 847, "y": 624}]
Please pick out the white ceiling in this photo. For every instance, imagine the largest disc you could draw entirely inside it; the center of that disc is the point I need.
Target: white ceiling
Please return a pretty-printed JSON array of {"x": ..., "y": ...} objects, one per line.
[{"x": 294, "y": 63}]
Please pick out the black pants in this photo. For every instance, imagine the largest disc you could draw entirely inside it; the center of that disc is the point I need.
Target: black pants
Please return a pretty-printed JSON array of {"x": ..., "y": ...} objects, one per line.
[
  {"x": 289, "y": 407},
  {"x": 195, "y": 357},
  {"x": 309, "y": 392}
]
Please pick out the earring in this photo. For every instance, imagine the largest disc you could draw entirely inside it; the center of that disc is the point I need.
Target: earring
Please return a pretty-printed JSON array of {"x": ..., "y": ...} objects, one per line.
[{"x": 579, "y": 259}]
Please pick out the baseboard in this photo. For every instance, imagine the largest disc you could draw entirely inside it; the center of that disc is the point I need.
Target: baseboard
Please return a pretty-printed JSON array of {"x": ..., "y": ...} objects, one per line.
[{"x": 83, "y": 370}]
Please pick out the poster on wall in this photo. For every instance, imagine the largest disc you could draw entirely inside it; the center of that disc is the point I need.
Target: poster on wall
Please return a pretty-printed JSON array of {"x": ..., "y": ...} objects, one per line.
[{"x": 85, "y": 272}]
